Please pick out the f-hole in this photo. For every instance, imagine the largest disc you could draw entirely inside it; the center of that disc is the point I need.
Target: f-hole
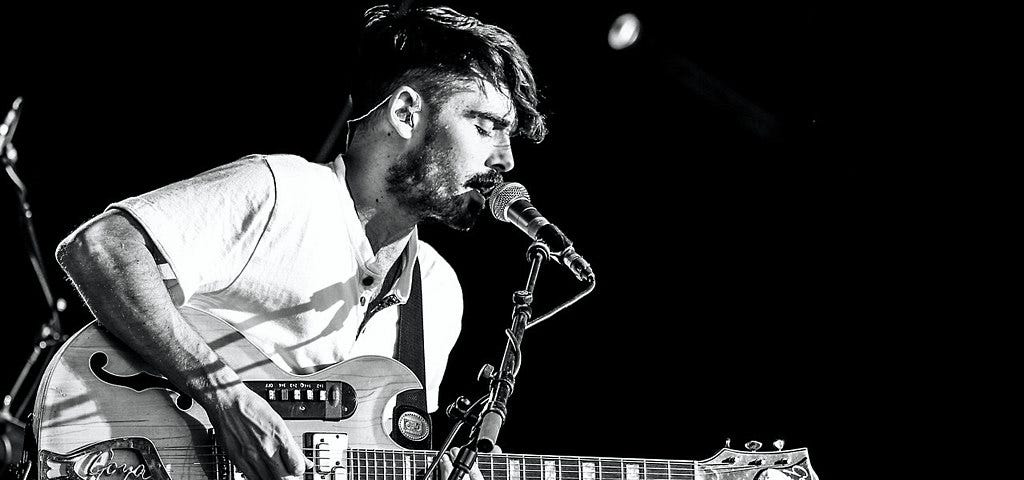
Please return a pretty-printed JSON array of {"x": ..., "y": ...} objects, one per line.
[{"x": 139, "y": 382}]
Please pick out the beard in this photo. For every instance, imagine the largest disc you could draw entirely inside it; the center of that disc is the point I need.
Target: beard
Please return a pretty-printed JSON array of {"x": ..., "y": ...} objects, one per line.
[{"x": 425, "y": 181}]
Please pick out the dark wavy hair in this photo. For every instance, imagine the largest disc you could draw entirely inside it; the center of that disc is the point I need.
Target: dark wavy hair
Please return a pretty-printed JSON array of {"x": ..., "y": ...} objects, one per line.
[{"x": 437, "y": 51}]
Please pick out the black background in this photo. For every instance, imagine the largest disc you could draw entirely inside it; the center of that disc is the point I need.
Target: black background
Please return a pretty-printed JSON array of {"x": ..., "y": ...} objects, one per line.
[{"x": 747, "y": 257}]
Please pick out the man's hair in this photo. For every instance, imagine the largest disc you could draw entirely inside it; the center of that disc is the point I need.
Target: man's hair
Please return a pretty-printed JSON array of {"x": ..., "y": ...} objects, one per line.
[{"x": 438, "y": 51}]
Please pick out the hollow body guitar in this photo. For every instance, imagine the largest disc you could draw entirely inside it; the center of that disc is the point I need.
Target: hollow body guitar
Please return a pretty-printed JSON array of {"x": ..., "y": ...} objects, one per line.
[{"x": 102, "y": 413}]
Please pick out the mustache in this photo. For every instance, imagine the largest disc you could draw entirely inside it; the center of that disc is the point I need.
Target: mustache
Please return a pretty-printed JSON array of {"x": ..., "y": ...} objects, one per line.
[{"x": 485, "y": 181}]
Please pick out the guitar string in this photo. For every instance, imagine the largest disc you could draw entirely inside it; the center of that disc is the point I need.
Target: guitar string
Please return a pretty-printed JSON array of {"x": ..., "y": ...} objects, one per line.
[
  {"x": 369, "y": 472},
  {"x": 395, "y": 464},
  {"x": 488, "y": 457},
  {"x": 368, "y": 475},
  {"x": 354, "y": 476},
  {"x": 357, "y": 474},
  {"x": 381, "y": 471}
]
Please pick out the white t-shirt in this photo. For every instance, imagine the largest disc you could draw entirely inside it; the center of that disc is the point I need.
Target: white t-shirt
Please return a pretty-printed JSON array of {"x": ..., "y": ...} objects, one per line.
[{"x": 272, "y": 245}]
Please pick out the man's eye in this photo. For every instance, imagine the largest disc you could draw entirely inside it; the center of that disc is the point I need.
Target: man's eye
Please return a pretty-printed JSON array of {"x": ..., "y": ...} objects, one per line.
[{"x": 482, "y": 131}]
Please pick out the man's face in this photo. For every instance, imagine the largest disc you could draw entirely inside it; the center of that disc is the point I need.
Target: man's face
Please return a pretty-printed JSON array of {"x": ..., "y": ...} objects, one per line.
[{"x": 459, "y": 157}]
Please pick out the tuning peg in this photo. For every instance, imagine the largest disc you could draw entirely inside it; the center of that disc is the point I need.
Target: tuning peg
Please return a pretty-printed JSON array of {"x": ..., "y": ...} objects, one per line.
[
  {"x": 752, "y": 445},
  {"x": 779, "y": 444},
  {"x": 727, "y": 442}
]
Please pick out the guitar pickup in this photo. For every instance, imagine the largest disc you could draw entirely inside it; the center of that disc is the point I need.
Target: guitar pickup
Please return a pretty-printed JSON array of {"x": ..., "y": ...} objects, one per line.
[
  {"x": 307, "y": 400},
  {"x": 328, "y": 452}
]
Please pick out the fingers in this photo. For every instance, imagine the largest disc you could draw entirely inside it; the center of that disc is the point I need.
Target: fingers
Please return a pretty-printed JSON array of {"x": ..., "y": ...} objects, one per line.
[
  {"x": 294, "y": 462},
  {"x": 447, "y": 466},
  {"x": 444, "y": 469},
  {"x": 257, "y": 465},
  {"x": 474, "y": 473}
]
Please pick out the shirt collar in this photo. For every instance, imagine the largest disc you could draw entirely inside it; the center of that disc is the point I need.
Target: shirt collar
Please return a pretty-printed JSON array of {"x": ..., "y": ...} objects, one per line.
[{"x": 403, "y": 287}]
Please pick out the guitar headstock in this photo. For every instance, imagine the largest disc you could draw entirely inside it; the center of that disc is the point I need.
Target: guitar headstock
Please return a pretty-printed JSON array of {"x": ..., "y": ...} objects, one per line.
[{"x": 732, "y": 464}]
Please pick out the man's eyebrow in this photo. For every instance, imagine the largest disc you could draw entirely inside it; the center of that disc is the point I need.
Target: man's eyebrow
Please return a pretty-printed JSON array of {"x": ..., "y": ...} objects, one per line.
[{"x": 499, "y": 122}]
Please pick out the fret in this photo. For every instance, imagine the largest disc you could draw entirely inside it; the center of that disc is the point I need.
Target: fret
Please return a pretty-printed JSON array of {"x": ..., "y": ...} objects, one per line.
[
  {"x": 606, "y": 471},
  {"x": 588, "y": 470},
  {"x": 499, "y": 465},
  {"x": 485, "y": 463},
  {"x": 550, "y": 469},
  {"x": 419, "y": 464},
  {"x": 367, "y": 473},
  {"x": 570, "y": 468},
  {"x": 428, "y": 458},
  {"x": 407, "y": 467},
  {"x": 532, "y": 468},
  {"x": 379, "y": 470},
  {"x": 632, "y": 471},
  {"x": 681, "y": 470},
  {"x": 515, "y": 468},
  {"x": 371, "y": 465},
  {"x": 656, "y": 470},
  {"x": 353, "y": 465}
]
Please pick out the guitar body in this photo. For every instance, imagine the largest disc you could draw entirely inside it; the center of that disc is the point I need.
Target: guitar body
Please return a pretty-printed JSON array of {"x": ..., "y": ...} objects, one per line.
[{"x": 88, "y": 395}]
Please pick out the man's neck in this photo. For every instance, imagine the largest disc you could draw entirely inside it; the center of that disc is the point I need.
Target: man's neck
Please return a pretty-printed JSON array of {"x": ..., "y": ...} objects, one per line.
[{"x": 384, "y": 220}]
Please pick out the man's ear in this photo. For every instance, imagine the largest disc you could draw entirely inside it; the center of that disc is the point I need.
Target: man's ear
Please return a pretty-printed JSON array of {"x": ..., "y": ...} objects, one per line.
[{"x": 403, "y": 111}]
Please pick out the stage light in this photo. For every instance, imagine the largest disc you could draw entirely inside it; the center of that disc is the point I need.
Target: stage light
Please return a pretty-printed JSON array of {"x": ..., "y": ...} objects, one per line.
[{"x": 624, "y": 32}]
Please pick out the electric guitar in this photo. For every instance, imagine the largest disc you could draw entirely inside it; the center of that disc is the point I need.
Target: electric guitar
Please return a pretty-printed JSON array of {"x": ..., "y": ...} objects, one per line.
[{"x": 103, "y": 414}]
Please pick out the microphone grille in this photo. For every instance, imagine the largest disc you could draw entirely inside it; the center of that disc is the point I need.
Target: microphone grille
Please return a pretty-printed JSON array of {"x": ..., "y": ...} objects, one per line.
[{"x": 504, "y": 195}]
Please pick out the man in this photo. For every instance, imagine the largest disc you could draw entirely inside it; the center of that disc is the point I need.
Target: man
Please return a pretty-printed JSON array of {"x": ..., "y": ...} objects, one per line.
[{"x": 311, "y": 261}]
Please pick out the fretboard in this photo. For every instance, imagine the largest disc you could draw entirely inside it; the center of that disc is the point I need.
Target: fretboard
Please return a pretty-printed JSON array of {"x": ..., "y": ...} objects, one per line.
[{"x": 409, "y": 465}]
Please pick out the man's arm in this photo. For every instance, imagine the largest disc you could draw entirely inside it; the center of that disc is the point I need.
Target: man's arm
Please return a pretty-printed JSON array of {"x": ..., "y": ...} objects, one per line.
[{"x": 111, "y": 262}]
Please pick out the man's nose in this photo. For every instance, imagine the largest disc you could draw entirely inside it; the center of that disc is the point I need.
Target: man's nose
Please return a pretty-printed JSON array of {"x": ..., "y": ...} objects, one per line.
[{"x": 501, "y": 159}]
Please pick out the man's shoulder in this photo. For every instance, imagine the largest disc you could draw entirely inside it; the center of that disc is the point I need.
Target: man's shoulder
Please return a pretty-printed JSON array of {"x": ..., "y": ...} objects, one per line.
[
  {"x": 434, "y": 267},
  {"x": 300, "y": 177},
  {"x": 292, "y": 164}
]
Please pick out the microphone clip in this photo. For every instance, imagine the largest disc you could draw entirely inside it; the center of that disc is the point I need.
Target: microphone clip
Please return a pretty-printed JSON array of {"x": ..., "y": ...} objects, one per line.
[
  {"x": 576, "y": 264},
  {"x": 567, "y": 257}
]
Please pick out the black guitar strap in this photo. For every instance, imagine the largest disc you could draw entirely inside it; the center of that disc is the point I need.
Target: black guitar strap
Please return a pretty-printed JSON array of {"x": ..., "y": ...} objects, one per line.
[{"x": 411, "y": 424}]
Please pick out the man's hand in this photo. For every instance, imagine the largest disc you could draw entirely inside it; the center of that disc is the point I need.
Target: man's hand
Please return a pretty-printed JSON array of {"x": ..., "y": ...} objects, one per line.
[
  {"x": 445, "y": 467},
  {"x": 256, "y": 438}
]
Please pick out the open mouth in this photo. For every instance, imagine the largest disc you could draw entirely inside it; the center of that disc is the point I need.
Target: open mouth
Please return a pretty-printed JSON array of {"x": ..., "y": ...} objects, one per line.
[
  {"x": 486, "y": 190},
  {"x": 485, "y": 183}
]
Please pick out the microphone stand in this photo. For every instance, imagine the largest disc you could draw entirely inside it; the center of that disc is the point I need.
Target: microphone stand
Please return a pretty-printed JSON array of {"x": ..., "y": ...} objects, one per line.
[
  {"x": 485, "y": 434},
  {"x": 50, "y": 333}
]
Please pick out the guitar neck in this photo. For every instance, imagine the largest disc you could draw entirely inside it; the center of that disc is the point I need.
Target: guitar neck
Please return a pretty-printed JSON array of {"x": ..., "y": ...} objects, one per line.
[{"x": 403, "y": 465}]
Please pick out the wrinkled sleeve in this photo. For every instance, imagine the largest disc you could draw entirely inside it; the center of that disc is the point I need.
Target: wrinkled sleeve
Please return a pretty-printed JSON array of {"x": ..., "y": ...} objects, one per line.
[{"x": 207, "y": 227}]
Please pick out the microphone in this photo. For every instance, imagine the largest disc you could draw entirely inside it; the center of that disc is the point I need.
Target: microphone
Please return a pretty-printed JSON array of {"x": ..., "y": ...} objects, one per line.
[
  {"x": 510, "y": 202},
  {"x": 7, "y": 130}
]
